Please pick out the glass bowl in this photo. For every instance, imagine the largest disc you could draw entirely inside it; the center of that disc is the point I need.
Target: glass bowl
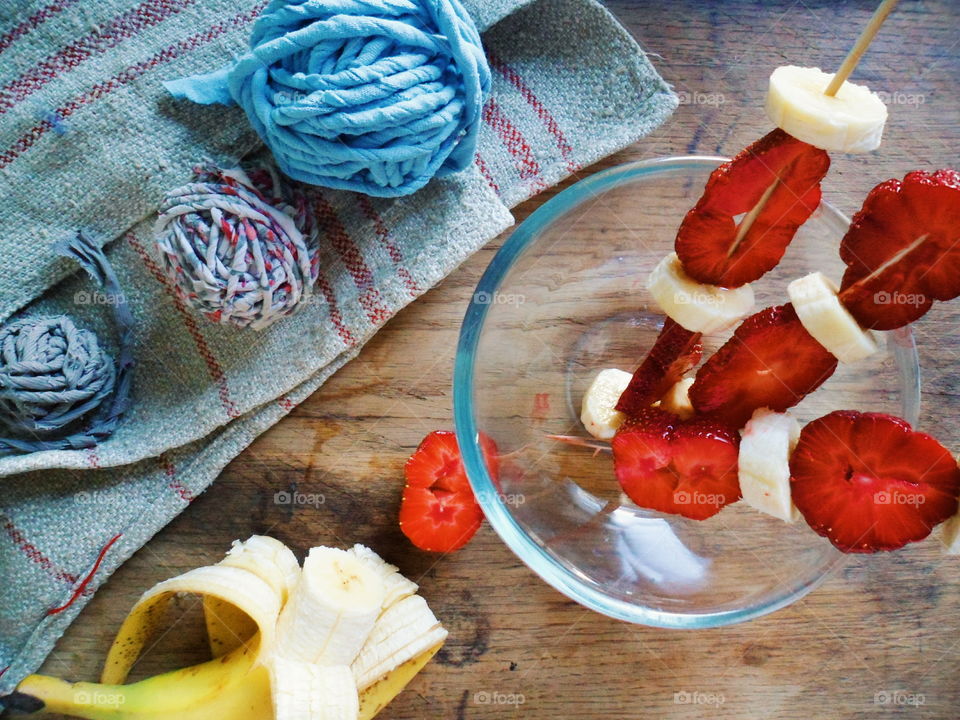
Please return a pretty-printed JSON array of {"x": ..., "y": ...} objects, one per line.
[{"x": 564, "y": 298}]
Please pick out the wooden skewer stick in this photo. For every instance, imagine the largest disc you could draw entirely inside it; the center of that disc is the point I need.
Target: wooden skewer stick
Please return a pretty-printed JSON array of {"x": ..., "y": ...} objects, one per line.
[{"x": 860, "y": 47}]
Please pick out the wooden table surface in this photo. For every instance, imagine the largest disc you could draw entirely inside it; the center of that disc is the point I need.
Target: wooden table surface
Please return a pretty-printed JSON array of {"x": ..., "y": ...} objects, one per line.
[{"x": 881, "y": 637}]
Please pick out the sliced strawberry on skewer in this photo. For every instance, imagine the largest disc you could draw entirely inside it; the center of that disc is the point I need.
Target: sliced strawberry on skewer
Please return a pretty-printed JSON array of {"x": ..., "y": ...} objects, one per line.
[
  {"x": 438, "y": 511},
  {"x": 684, "y": 467},
  {"x": 676, "y": 351},
  {"x": 775, "y": 185},
  {"x": 771, "y": 361},
  {"x": 903, "y": 250},
  {"x": 868, "y": 482}
]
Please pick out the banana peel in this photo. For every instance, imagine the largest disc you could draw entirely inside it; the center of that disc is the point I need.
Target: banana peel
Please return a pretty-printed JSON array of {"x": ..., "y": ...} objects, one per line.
[{"x": 242, "y": 602}]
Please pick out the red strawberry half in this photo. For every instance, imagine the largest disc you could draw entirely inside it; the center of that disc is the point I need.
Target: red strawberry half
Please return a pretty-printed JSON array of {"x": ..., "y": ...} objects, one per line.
[
  {"x": 868, "y": 482},
  {"x": 684, "y": 467},
  {"x": 771, "y": 361},
  {"x": 676, "y": 351},
  {"x": 775, "y": 185},
  {"x": 437, "y": 464},
  {"x": 903, "y": 250},
  {"x": 438, "y": 511}
]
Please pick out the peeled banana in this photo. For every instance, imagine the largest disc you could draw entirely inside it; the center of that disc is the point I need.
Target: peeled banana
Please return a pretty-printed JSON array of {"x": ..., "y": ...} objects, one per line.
[
  {"x": 851, "y": 121},
  {"x": 764, "y": 463},
  {"x": 695, "y": 306},
  {"x": 814, "y": 297},
  {"x": 597, "y": 412},
  {"x": 362, "y": 634}
]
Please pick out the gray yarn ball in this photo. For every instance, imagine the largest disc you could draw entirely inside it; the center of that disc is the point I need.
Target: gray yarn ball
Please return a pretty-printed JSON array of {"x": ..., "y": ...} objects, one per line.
[
  {"x": 52, "y": 374},
  {"x": 233, "y": 255}
]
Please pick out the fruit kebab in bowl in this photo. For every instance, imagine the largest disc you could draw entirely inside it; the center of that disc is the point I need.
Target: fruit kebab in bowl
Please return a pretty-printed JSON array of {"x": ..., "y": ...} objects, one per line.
[
  {"x": 769, "y": 384},
  {"x": 866, "y": 481}
]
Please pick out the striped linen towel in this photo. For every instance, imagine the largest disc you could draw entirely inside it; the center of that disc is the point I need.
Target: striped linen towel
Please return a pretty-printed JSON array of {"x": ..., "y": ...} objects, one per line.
[{"x": 89, "y": 139}]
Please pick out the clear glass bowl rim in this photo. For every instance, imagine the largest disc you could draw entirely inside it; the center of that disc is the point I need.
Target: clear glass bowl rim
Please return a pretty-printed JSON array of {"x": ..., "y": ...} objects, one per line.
[{"x": 503, "y": 523}]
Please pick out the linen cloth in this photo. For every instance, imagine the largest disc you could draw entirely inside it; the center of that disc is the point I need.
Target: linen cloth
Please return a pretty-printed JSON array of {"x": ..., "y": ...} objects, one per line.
[{"x": 89, "y": 138}]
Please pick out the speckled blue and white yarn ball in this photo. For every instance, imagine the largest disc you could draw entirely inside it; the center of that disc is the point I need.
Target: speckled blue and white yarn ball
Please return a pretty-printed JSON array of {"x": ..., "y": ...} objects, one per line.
[{"x": 232, "y": 255}]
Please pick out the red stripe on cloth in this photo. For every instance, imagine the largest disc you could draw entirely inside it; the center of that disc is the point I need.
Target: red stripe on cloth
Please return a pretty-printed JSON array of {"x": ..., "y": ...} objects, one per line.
[
  {"x": 32, "y": 22},
  {"x": 213, "y": 365},
  {"x": 514, "y": 141},
  {"x": 86, "y": 580},
  {"x": 342, "y": 330},
  {"x": 30, "y": 138},
  {"x": 352, "y": 257},
  {"x": 172, "y": 482},
  {"x": 34, "y": 553},
  {"x": 488, "y": 176},
  {"x": 93, "y": 459},
  {"x": 4, "y": 671},
  {"x": 123, "y": 26},
  {"x": 386, "y": 240},
  {"x": 513, "y": 77},
  {"x": 286, "y": 403}
]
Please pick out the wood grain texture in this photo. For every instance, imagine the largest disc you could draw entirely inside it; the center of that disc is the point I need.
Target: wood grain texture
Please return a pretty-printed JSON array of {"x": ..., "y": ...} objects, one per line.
[{"x": 882, "y": 624}]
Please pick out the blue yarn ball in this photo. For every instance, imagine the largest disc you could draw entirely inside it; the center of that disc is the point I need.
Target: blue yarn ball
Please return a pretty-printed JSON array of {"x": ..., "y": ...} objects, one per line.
[
  {"x": 52, "y": 374},
  {"x": 376, "y": 96}
]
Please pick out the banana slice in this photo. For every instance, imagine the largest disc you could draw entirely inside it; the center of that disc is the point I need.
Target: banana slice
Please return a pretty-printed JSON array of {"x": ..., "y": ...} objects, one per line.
[
  {"x": 850, "y": 121},
  {"x": 764, "y": 463},
  {"x": 597, "y": 409},
  {"x": 695, "y": 306},
  {"x": 396, "y": 586},
  {"x": 814, "y": 297},
  {"x": 307, "y": 691},
  {"x": 677, "y": 399},
  {"x": 332, "y": 609},
  {"x": 950, "y": 535},
  {"x": 402, "y": 632}
]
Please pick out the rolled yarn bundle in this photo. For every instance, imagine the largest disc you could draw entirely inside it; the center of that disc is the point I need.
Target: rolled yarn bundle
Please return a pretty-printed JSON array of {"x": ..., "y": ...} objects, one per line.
[{"x": 376, "y": 96}]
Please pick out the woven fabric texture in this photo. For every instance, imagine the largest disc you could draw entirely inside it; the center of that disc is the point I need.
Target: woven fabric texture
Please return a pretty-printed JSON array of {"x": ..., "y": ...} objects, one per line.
[{"x": 89, "y": 139}]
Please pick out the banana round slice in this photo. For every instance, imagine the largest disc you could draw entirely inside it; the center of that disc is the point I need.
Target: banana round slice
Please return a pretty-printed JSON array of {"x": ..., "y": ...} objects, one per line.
[
  {"x": 814, "y": 297},
  {"x": 597, "y": 409},
  {"x": 851, "y": 121},
  {"x": 332, "y": 609},
  {"x": 764, "y": 463},
  {"x": 677, "y": 399},
  {"x": 695, "y": 306}
]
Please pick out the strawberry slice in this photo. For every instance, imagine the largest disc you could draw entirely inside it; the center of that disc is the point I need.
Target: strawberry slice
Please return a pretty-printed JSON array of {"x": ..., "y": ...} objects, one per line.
[
  {"x": 439, "y": 512},
  {"x": 686, "y": 467},
  {"x": 775, "y": 185},
  {"x": 868, "y": 482},
  {"x": 771, "y": 361},
  {"x": 437, "y": 464},
  {"x": 903, "y": 250},
  {"x": 675, "y": 351}
]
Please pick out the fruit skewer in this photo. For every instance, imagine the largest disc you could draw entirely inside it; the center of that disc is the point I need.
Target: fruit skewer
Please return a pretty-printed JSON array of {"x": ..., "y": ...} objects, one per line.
[{"x": 774, "y": 186}]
